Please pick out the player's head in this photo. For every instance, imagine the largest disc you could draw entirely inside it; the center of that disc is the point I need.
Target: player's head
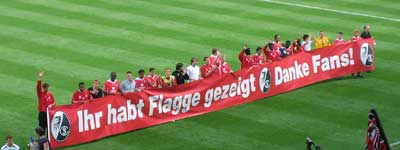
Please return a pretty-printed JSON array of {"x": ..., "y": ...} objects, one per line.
[
  {"x": 306, "y": 37},
  {"x": 129, "y": 75},
  {"x": 193, "y": 61},
  {"x": 287, "y": 44},
  {"x": 9, "y": 140},
  {"x": 259, "y": 50},
  {"x": 96, "y": 83},
  {"x": 152, "y": 71},
  {"x": 81, "y": 86},
  {"x": 113, "y": 76},
  {"x": 167, "y": 72},
  {"x": 366, "y": 28},
  {"x": 141, "y": 73},
  {"x": 247, "y": 51},
  {"x": 46, "y": 87},
  {"x": 206, "y": 61},
  {"x": 277, "y": 38},
  {"x": 356, "y": 32},
  {"x": 321, "y": 34},
  {"x": 214, "y": 51},
  {"x": 340, "y": 35},
  {"x": 179, "y": 66},
  {"x": 39, "y": 131},
  {"x": 271, "y": 46}
]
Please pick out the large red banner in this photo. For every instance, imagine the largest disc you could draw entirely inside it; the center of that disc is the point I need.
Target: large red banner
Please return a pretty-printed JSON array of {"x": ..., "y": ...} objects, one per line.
[{"x": 80, "y": 123}]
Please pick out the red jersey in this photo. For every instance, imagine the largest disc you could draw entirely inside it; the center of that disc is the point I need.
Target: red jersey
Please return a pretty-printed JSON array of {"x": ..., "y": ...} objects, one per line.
[
  {"x": 338, "y": 42},
  {"x": 204, "y": 70},
  {"x": 271, "y": 55},
  {"x": 247, "y": 61},
  {"x": 46, "y": 99},
  {"x": 141, "y": 83},
  {"x": 80, "y": 97},
  {"x": 277, "y": 46},
  {"x": 355, "y": 38},
  {"x": 111, "y": 88},
  {"x": 153, "y": 81},
  {"x": 213, "y": 60},
  {"x": 224, "y": 68},
  {"x": 258, "y": 59}
]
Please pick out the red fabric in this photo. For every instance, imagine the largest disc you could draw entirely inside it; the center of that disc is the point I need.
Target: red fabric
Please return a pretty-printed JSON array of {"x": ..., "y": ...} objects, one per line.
[
  {"x": 81, "y": 97},
  {"x": 258, "y": 59},
  {"x": 224, "y": 68},
  {"x": 213, "y": 60},
  {"x": 355, "y": 38},
  {"x": 120, "y": 114},
  {"x": 205, "y": 69},
  {"x": 111, "y": 88},
  {"x": 45, "y": 99},
  {"x": 338, "y": 42},
  {"x": 246, "y": 61},
  {"x": 153, "y": 81},
  {"x": 141, "y": 83}
]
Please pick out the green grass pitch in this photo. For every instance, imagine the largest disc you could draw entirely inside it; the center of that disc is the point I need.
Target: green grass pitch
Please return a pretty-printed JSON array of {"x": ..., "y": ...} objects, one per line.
[{"x": 79, "y": 40}]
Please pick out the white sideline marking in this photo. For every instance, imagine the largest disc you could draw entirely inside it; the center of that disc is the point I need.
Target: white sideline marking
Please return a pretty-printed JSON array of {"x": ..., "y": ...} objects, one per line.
[
  {"x": 394, "y": 144},
  {"x": 333, "y": 10}
]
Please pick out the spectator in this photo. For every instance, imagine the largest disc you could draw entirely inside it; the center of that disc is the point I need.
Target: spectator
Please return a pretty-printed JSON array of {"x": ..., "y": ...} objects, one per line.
[
  {"x": 42, "y": 142},
  {"x": 322, "y": 40},
  {"x": 141, "y": 81},
  {"x": 180, "y": 74},
  {"x": 340, "y": 39},
  {"x": 153, "y": 80},
  {"x": 95, "y": 91},
  {"x": 366, "y": 34},
  {"x": 10, "y": 145},
  {"x": 128, "y": 85},
  {"x": 258, "y": 57},
  {"x": 224, "y": 67},
  {"x": 306, "y": 44},
  {"x": 46, "y": 100},
  {"x": 82, "y": 95},
  {"x": 207, "y": 70},
  {"x": 245, "y": 58},
  {"x": 112, "y": 86},
  {"x": 270, "y": 53},
  {"x": 168, "y": 80},
  {"x": 193, "y": 70},
  {"x": 356, "y": 36}
]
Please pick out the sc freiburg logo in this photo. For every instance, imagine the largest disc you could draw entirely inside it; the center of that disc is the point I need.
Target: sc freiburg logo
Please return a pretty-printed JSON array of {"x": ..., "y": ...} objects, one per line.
[
  {"x": 265, "y": 80},
  {"x": 60, "y": 126}
]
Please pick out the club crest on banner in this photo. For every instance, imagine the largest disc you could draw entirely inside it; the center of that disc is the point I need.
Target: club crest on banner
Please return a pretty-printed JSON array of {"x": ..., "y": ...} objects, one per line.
[
  {"x": 60, "y": 126},
  {"x": 265, "y": 80},
  {"x": 366, "y": 55}
]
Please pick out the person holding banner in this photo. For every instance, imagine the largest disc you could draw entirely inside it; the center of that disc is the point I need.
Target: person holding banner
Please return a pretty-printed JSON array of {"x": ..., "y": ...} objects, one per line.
[
  {"x": 95, "y": 91},
  {"x": 141, "y": 83},
  {"x": 307, "y": 42},
  {"x": 168, "y": 80},
  {"x": 207, "y": 69},
  {"x": 128, "y": 85},
  {"x": 224, "y": 67},
  {"x": 153, "y": 80},
  {"x": 112, "y": 86},
  {"x": 82, "y": 95},
  {"x": 339, "y": 40},
  {"x": 193, "y": 70},
  {"x": 245, "y": 58},
  {"x": 45, "y": 99},
  {"x": 258, "y": 57},
  {"x": 322, "y": 40}
]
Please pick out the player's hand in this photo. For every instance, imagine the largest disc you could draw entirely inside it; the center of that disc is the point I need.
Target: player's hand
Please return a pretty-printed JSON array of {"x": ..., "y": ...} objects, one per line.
[{"x": 40, "y": 74}]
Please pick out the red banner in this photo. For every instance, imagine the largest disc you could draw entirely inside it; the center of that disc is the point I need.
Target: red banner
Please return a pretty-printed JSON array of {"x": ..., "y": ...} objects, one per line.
[{"x": 80, "y": 123}]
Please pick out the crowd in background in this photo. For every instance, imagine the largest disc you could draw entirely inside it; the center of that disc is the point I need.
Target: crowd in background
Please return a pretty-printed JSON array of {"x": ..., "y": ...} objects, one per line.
[{"x": 213, "y": 65}]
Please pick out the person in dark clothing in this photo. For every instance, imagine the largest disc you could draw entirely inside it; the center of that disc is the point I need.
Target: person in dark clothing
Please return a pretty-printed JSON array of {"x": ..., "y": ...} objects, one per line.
[
  {"x": 180, "y": 74},
  {"x": 42, "y": 142},
  {"x": 95, "y": 90},
  {"x": 366, "y": 34}
]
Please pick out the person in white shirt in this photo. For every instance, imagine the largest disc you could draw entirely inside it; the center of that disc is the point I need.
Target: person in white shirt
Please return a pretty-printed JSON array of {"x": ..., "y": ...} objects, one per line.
[
  {"x": 10, "y": 144},
  {"x": 193, "y": 70},
  {"x": 307, "y": 42}
]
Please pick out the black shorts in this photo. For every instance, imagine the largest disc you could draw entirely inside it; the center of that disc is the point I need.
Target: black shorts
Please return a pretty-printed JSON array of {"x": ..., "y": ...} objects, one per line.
[{"x": 43, "y": 120}]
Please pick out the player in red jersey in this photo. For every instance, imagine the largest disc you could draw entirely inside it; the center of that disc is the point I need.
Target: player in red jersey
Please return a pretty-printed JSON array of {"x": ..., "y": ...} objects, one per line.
[
  {"x": 356, "y": 36},
  {"x": 112, "y": 86},
  {"x": 45, "y": 98},
  {"x": 270, "y": 53},
  {"x": 224, "y": 67},
  {"x": 168, "y": 80},
  {"x": 82, "y": 95},
  {"x": 277, "y": 43},
  {"x": 141, "y": 82},
  {"x": 206, "y": 69},
  {"x": 214, "y": 58},
  {"x": 340, "y": 39},
  {"x": 153, "y": 80},
  {"x": 245, "y": 58},
  {"x": 258, "y": 57}
]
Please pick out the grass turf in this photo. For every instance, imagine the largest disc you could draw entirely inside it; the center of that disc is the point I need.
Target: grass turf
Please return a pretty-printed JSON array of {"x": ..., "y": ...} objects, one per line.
[{"x": 76, "y": 41}]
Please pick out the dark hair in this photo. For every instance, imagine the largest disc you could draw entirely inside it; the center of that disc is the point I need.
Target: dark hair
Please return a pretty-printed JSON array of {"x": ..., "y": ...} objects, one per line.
[
  {"x": 259, "y": 48},
  {"x": 129, "y": 72},
  {"x": 8, "y": 137},
  {"x": 247, "y": 51},
  {"x": 214, "y": 50},
  {"x": 271, "y": 46},
  {"x": 305, "y": 36},
  {"x": 287, "y": 44},
  {"x": 96, "y": 80},
  {"x": 276, "y": 35},
  {"x": 178, "y": 66},
  {"x": 40, "y": 131},
  {"x": 205, "y": 58},
  {"x": 140, "y": 71},
  {"x": 192, "y": 60},
  {"x": 45, "y": 85},
  {"x": 151, "y": 69},
  {"x": 81, "y": 83},
  {"x": 340, "y": 33}
]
